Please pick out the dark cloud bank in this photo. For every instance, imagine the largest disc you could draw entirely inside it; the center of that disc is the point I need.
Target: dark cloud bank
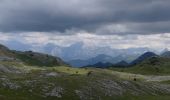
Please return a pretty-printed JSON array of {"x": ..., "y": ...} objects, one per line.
[{"x": 137, "y": 16}]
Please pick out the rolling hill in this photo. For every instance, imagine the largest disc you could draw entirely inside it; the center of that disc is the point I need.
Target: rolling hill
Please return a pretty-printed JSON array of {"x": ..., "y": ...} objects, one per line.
[
  {"x": 165, "y": 54},
  {"x": 30, "y": 57},
  {"x": 150, "y": 66},
  {"x": 143, "y": 57},
  {"x": 122, "y": 64}
]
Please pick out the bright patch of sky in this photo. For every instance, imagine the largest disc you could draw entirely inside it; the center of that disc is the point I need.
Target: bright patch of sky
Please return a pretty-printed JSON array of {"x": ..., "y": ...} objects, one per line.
[{"x": 39, "y": 39}]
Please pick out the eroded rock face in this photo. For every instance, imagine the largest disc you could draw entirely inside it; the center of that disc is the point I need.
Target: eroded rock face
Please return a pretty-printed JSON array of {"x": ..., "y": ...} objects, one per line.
[
  {"x": 5, "y": 58},
  {"x": 6, "y": 69},
  {"x": 55, "y": 92},
  {"x": 8, "y": 84},
  {"x": 84, "y": 95},
  {"x": 52, "y": 74},
  {"x": 110, "y": 87}
]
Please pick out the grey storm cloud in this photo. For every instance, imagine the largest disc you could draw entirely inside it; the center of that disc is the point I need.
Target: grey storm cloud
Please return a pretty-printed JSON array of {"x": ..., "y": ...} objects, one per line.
[{"x": 137, "y": 16}]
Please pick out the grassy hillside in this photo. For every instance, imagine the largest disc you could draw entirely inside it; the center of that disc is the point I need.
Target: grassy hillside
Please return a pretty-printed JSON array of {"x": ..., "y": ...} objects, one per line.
[
  {"x": 22, "y": 82},
  {"x": 154, "y": 65},
  {"x": 38, "y": 59},
  {"x": 4, "y": 51},
  {"x": 30, "y": 58}
]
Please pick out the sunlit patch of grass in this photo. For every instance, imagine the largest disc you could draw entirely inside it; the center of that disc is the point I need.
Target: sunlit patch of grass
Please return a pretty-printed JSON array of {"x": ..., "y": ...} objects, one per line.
[
  {"x": 11, "y": 63},
  {"x": 70, "y": 70}
]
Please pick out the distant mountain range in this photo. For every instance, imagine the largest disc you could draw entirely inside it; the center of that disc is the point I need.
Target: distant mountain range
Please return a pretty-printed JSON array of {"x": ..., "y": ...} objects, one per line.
[
  {"x": 119, "y": 61},
  {"x": 78, "y": 56},
  {"x": 77, "y": 50},
  {"x": 144, "y": 57},
  {"x": 105, "y": 59},
  {"x": 102, "y": 58}
]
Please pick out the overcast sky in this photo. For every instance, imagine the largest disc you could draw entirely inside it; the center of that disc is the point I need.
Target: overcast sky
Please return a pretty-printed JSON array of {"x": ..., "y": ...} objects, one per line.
[{"x": 114, "y": 23}]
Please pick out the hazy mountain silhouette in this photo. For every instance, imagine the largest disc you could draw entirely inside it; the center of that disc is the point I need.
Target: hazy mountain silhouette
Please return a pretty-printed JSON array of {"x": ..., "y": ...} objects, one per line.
[
  {"x": 165, "y": 54},
  {"x": 143, "y": 57}
]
